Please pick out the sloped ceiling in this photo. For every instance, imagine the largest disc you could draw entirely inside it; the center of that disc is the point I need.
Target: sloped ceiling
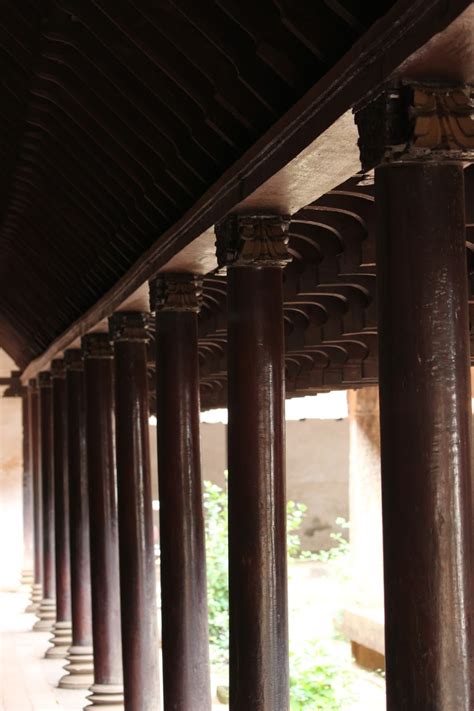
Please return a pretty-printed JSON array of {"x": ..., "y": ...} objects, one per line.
[{"x": 117, "y": 116}]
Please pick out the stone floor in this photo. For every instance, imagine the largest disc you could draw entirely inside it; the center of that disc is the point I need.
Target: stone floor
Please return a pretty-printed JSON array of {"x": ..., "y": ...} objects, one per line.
[{"x": 28, "y": 682}]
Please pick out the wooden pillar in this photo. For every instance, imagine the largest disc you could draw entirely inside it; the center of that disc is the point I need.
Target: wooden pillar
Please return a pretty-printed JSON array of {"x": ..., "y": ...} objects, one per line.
[
  {"x": 80, "y": 657},
  {"x": 62, "y": 629},
  {"x": 47, "y": 608},
  {"x": 107, "y": 690},
  {"x": 137, "y": 558},
  {"x": 27, "y": 573},
  {"x": 255, "y": 250},
  {"x": 33, "y": 429},
  {"x": 186, "y": 674},
  {"x": 425, "y": 402}
]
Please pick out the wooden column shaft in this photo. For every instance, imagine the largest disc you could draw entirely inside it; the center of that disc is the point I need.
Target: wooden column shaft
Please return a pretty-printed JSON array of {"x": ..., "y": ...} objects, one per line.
[
  {"x": 255, "y": 250},
  {"x": 78, "y": 502},
  {"x": 61, "y": 499},
  {"x": 136, "y": 545},
  {"x": 33, "y": 426},
  {"x": 186, "y": 673},
  {"x": 99, "y": 370},
  {"x": 425, "y": 435},
  {"x": 47, "y": 483}
]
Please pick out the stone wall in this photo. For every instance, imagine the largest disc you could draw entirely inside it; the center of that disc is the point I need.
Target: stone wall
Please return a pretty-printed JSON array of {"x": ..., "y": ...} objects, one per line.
[{"x": 317, "y": 454}]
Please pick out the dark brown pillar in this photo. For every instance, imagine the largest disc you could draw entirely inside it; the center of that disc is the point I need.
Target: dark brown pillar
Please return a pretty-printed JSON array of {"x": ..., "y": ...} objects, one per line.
[
  {"x": 137, "y": 558},
  {"x": 62, "y": 638},
  {"x": 425, "y": 405},
  {"x": 107, "y": 690},
  {"x": 255, "y": 250},
  {"x": 80, "y": 667},
  {"x": 27, "y": 573},
  {"x": 186, "y": 674},
  {"x": 33, "y": 429},
  {"x": 47, "y": 608}
]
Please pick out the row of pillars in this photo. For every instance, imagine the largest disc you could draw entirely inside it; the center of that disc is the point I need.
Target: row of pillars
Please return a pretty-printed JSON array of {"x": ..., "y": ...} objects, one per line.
[
  {"x": 94, "y": 573},
  {"x": 89, "y": 439}
]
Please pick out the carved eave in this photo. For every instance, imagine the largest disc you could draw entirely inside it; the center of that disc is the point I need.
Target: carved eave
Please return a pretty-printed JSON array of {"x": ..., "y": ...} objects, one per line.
[
  {"x": 176, "y": 292},
  {"x": 418, "y": 121},
  {"x": 253, "y": 240}
]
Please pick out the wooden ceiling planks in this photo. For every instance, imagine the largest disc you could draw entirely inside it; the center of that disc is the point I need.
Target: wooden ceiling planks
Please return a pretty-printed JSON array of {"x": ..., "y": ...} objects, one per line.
[{"x": 119, "y": 116}]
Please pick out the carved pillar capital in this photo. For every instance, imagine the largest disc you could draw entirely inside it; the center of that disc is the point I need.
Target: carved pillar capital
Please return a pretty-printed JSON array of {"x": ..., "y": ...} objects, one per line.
[
  {"x": 44, "y": 379},
  {"x": 15, "y": 388},
  {"x": 176, "y": 292},
  {"x": 97, "y": 345},
  {"x": 57, "y": 368},
  {"x": 73, "y": 359},
  {"x": 253, "y": 241},
  {"x": 129, "y": 326},
  {"x": 415, "y": 121}
]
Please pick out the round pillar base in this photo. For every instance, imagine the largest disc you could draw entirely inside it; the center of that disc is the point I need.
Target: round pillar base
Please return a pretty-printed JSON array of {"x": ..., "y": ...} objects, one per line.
[
  {"x": 80, "y": 669},
  {"x": 46, "y": 614},
  {"x": 36, "y": 593},
  {"x": 27, "y": 577},
  {"x": 61, "y": 640},
  {"x": 106, "y": 696}
]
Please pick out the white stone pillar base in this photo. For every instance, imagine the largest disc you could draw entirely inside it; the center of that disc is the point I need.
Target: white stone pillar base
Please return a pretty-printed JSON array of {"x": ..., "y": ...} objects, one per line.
[
  {"x": 106, "y": 696},
  {"x": 36, "y": 595},
  {"x": 80, "y": 669},
  {"x": 46, "y": 614},
  {"x": 61, "y": 640},
  {"x": 27, "y": 577}
]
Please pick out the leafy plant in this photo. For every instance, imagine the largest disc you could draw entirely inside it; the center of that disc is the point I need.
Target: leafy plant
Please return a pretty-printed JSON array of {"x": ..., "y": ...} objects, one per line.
[{"x": 317, "y": 678}]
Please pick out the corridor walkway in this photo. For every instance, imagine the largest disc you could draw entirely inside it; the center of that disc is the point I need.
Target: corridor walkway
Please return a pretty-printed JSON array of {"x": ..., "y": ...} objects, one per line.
[{"x": 28, "y": 682}]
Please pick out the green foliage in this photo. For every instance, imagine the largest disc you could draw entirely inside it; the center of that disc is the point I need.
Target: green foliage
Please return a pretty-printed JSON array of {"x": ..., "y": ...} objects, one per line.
[
  {"x": 317, "y": 678},
  {"x": 215, "y": 508}
]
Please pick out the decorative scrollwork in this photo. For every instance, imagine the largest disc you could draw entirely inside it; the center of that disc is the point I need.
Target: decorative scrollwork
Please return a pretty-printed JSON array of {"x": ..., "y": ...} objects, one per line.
[
  {"x": 176, "y": 292},
  {"x": 253, "y": 240},
  {"x": 418, "y": 122}
]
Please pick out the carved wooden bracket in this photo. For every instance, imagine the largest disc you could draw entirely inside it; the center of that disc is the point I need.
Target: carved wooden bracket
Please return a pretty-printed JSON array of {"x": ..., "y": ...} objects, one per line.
[
  {"x": 73, "y": 359},
  {"x": 44, "y": 379},
  {"x": 253, "y": 240},
  {"x": 57, "y": 368},
  {"x": 97, "y": 345},
  {"x": 129, "y": 326},
  {"x": 176, "y": 292},
  {"x": 14, "y": 386},
  {"x": 418, "y": 122}
]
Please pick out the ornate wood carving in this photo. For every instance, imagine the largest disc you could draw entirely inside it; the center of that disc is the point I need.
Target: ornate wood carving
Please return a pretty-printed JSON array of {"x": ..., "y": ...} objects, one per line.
[
  {"x": 130, "y": 326},
  {"x": 73, "y": 359},
  {"x": 176, "y": 292},
  {"x": 253, "y": 240},
  {"x": 97, "y": 345},
  {"x": 44, "y": 379},
  {"x": 58, "y": 368},
  {"x": 418, "y": 122}
]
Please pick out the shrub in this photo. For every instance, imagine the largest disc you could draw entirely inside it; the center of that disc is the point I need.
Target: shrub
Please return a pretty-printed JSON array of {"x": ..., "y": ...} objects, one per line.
[{"x": 317, "y": 678}]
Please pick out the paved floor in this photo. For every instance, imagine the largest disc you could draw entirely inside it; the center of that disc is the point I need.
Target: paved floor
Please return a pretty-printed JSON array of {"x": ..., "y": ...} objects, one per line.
[{"x": 28, "y": 682}]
